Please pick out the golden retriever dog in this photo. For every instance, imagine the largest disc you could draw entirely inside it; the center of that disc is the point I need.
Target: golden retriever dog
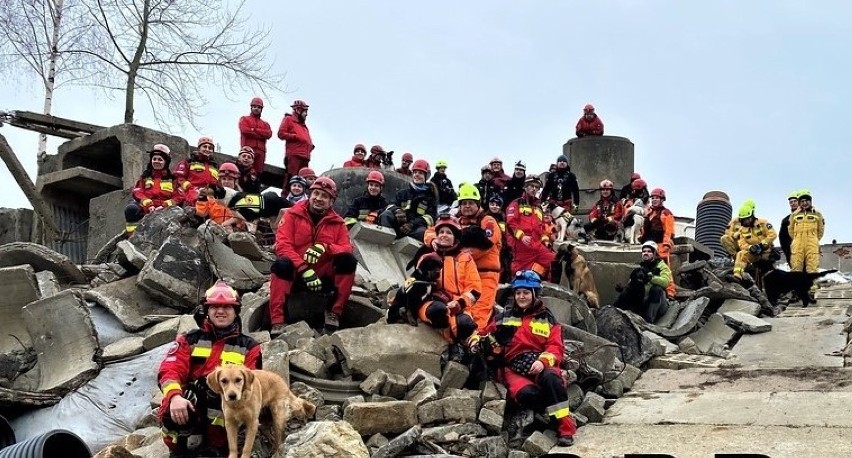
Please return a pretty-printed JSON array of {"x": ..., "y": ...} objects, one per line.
[
  {"x": 244, "y": 393},
  {"x": 579, "y": 275}
]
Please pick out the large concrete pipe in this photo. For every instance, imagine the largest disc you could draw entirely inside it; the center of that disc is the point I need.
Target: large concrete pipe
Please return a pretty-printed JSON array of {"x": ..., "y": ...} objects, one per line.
[
  {"x": 712, "y": 218},
  {"x": 52, "y": 444}
]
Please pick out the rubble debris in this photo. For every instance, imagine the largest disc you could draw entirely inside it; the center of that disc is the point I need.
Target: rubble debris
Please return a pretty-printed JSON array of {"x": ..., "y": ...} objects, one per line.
[
  {"x": 129, "y": 255},
  {"x": 449, "y": 409},
  {"x": 237, "y": 271},
  {"x": 713, "y": 335},
  {"x": 419, "y": 375},
  {"x": 598, "y": 352},
  {"x": 381, "y": 417},
  {"x": 687, "y": 319},
  {"x": 156, "y": 227},
  {"x": 128, "y": 346},
  {"x": 161, "y": 334},
  {"x": 41, "y": 258},
  {"x": 400, "y": 346},
  {"x": 455, "y": 375},
  {"x": 491, "y": 415},
  {"x": 48, "y": 285},
  {"x": 424, "y": 391},
  {"x": 737, "y": 305},
  {"x": 372, "y": 247},
  {"x": 245, "y": 245},
  {"x": 592, "y": 407},
  {"x": 487, "y": 446},
  {"x": 65, "y": 340},
  {"x": 21, "y": 289},
  {"x": 398, "y": 444},
  {"x": 395, "y": 386},
  {"x": 328, "y": 412},
  {"x": 538, "y": 444},
  {"x": 318, "y": 437},
  {"x": 307, "y": 363},
  {"x": 616, "y": 326},
  {"x": 276, "y": 358},
  {"x": 746, "y": 322},
  {"x": 176, "y": 274},
  {"x": 130, "y": 305}
]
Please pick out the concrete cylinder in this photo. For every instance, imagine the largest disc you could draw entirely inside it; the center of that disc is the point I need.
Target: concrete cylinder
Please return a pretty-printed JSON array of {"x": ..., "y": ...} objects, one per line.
[
  {"x": 713, "y": 215},
  {"x": 594, "y": 159}
]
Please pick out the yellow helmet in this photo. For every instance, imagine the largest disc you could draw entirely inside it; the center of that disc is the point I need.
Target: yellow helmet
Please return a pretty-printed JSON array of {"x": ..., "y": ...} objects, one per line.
[
  {"x": 747, "y": 210},
  {"x": 468, "y": 191}
]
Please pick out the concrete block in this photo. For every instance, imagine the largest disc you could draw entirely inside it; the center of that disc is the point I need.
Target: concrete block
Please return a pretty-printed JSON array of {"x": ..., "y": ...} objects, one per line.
[
  {"x": 161, "y": 334},
  {"x": 455, "y": 375},
  {"x": 398, "y": 348},
  {"x": 155, "y": 228},
  {"x": 65, "y": 341},
  {"x": 379, "y": 260},
  {"x": 538, "y": 444},
  {"x": 321, "y": 438},
  {"x": 418, "y": 375},
  {"x": 592, "y": 407},
  {"x": 746, "y": 322},
  {"x": 596, "y": 158},
  {"x": 352, "y": 400},
  {"x": 456, "y": 408},
  {"x": 376, "y": 440},
  {"x": 629, "y": 375},
  {"x": 452, "y": 433},
  {"x": 518, "y": 454},
  {"x": 42, "y": 258},
  {"x": 405, "y": 249},
  {"x": 106, "y": 218},
  {"x": 276, "y": 358},
  {"x": 298, "y": 335},
  {"x": 374, "y": 382},
  {"x": 398, "y": 444},
  {"x": 245, "y": 245},
  {"x": 613, "y": 389},
  {"x": 129, "y": 304},
  {"x": 48, "y": 285},
  {"x": 395, "y": 386},
  {"x": 493, "y": 391},
  {"x": 236, "y": 271},
  {"x": 617, "y": 326},
  {"x": 129, "y": 254},
  {"x": 21, "y": 289},
  {"x": 187, "y": 323},
  {"x": 381, "y": 417},
  {"x": 487, "y": 446},
  {"x": 16, "y": 225},
  {"x": 624, "y": 254},
  {"x": 607, "y": 274},
  {"x": 308, "y": 393},
  {"x": 176, "y": 274},
  {"x": 685, "y": 322},
  {"x": 714, "y": 331},
  {"x": 685, "y": 361},
  {"x": 371, "y": 233},
  {"x": 328, "y": 412},
  {"x": 737, "y": 305},
  {"x": 307, "y": 363},
  {"x": 128, "y": 346},
  {"x": 424, "y": 391},
  {"x": 603, "y": 358},
  {"x": 491, "y": 415}
]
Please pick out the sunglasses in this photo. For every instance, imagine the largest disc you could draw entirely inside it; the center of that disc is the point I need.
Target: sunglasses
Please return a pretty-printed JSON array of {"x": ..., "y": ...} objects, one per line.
[{"x": 257, "y": 106}]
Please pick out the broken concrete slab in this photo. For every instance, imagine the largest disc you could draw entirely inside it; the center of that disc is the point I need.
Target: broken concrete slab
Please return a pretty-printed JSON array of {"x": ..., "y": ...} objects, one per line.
[
  {"x": 128, "y": 254},
  {"x": 615, "y": 326},
  {"x": 608, "y": 274},
  {"x": 245, "y": 245},
  {"x": 16, "y": 225},
  {"x": 130, "y": 305},
  {"x": 379, "y": 261},
  {"x": 318, "y": 437},
  {"x": 360, "y": 312},
  {"x": 156, "y": 227},
  {"x": 21, "y": 288},
  {"x": 398, "y": 444},
  {"x": 538, "y": 444},
  {"x": 381, "y": 417},
  {"x": 487, "y": 446},
  {"x": 65, "y": 341},
  {"x": 625, "y": 254},
  {"x": 176, "y": 274},
  {"x": 592, "y": 407},
  {"x": 401, "y": 347},
  {"x": 685, "y": 361},
  {"x": 452, "y": 433},
  {"x": 772, "y": 350},
  {"x": 459, "y": 409},
  {"x": 714, "y": 332},
  {"x": 41, "y": 258},
  {"x": 405, "y": 249},
  {"x": 686, "y": 320},
  {"x": 373, "y": 234},
  {"x": 48, "y": 285},
  {"x": 395, "y": 386},
  {"x": 606, "y": 350},
  {"x": 128, "y": 346},
  {"x": 236, "y": 271},
  {"x": 662, "y": 346},
  {"x": 746, "y": 322},
  {"x": 419, "y": 375},
  {"x": 455, "y": 375},
  {"x": 422, "y": 392},
  {"x": 161, "y": 334},
  {"x": 307, "y": 363},
  {"x": 737, "y": 305}
]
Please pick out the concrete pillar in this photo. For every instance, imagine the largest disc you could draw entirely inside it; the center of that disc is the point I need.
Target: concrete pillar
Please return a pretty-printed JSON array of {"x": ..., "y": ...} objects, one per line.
[{"x": 593, "y": 159}]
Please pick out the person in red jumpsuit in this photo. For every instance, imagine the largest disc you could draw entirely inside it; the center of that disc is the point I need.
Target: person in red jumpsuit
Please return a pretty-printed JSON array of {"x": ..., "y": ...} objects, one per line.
[
  {"x": 157, "y": 188},
  {"x": 405, "y": 168},
  {"x": 199, "y": 171},
  {"x": 525, "y": 341},
  {"x": 606, "y": 215},
  {"x": 254, "y": 132},
  {"x": 358, "y": 154},
  {"x": 190, "y": 414},
  {"x": 525, "y": 232},
  {"x": 308, "y": 174},
  {"x": 249, "y": 180},
  {"x": 312, "y": 245},
  {"x": 590, "y": 123},
  {"x": 298, "y": 144}
]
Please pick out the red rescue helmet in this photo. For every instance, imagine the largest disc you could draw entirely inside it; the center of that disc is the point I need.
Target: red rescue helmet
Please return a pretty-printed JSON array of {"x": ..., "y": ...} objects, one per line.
[
  {"x": 248, "y": 150},
  {"x": 407, "y": 157},
  {"x": 307, "y": 172},
  {"x": 589, "y": 108},
  {"x": 495, "y": 160},
  {"x": 207, "y": 140},
  {"x": 376, "y": 177},
  {"x": 421, "y": 165},
  {"x": 635, "y": 176},
  {"x": 377, "y": 149},
  {"x": 161, "y": 150},
  {"x": 299, "y": 104},
  {"x": 325, "y": 184},
  {"x": 606, "y": 184},
  {"x": 446, "y": 220},
  {"x": 361, "y": 147},
  {"x": 659, "y": 192},
  {"x": 257, "y": 102},
  {"x": 638, "y": 184},
  {"x": 229, "y": 167},
  {"x": 221, "y": 294}
]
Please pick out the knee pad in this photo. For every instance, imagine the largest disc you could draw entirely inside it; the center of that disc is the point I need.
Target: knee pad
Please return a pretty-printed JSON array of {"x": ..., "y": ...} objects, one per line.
[
  {"x": 436, "y": 312},
  {"x": 283, "y": 268},
  {"x": 465, "y": 325},
  {"x": 528, "y": 396},
  {"x": 133, "y": 213},
  {"x": 344, "y": 263}
]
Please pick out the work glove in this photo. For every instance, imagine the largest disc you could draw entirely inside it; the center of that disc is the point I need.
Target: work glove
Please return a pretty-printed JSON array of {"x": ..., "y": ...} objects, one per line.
[
  {"x": 756, "y": 249},
  {"x": 406, "y": 228},
  {"x": 311, "y": 280},
  {"x": 574, "y": 208},
  {"x": 473, "y": 341},
  {"x": 313, "y": 253},
  {"x": 400, "y": 215}
]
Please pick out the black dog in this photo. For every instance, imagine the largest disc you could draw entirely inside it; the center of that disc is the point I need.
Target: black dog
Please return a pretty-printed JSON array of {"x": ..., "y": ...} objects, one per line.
[
  {"x": 418, "y": 289},
  {"x": 776, "y": 283},
  {"x": 632, "y": 297}
]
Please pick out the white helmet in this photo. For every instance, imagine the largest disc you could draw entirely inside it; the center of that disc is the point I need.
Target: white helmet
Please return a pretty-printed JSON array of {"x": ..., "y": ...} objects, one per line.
[{"x": 650, "y": 244}]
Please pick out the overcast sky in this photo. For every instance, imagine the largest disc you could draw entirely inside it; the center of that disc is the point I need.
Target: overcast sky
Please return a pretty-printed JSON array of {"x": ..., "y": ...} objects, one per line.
[{"x": 752, "y": 98}]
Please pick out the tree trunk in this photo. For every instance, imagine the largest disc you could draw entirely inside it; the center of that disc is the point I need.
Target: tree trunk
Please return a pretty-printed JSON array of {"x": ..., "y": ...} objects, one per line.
[
  {"x": 133, "y": 69},
  {"x": 20, "y": 174},
  {"x": 128, "y": 96},
  {"x": 50, "y": 82}
]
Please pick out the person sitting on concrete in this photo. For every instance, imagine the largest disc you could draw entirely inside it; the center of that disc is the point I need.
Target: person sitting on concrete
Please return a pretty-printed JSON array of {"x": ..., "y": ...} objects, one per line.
[
  {"x": 659, "y": 224},
  {"x": 249, "y": 181},
  {"x": 254, "y": 133},
  {"x": 628, "y": 189},
  {"x": 157, "y": 188},
  {"x": 314, "y": 251},
  {"x": 308, "y": 174},
  {"x": 638, "y": 195},
  {"x": 446, "y": 192},
  {"x": 457, "y": 289},
  {"x": 753, "y": 239},
  {"x": 358, "y": 155},
  {"x": 198, "y": 171},
  {"x": 190, "y": 413},
  {"x": 405, "y": 168},
  {"x": 525, "y": 341},
  {"x": 208, "y": 208},
  {"x": 297, "y": 187},
  {"x": 515, "y": 185},
  {"x": 499, "y": 176},
  {"x": 784, "y": 237},
  {"x": 487, "y": 186},
  {"x": 525, "y": 232},
  {"x": 377, "y": 157},
  {"x": 590, "y": 123},
  {"x": 562, "y": 189},
  {"x": 367, "y": 207},
  {"x": 415, "y": 207},
  {"x": 646, "y": 292},
  {"x": 605, "y": 216}
]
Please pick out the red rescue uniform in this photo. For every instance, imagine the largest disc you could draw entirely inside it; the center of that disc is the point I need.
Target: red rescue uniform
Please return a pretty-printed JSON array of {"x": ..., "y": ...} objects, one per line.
[
  {"x": 298, "y": 144},
  {"x": 157, "y": 191},
  {"x": 254, "y": 132},
  {"x": 194, "y": 174},
  {"x": 525, "y": 218}
]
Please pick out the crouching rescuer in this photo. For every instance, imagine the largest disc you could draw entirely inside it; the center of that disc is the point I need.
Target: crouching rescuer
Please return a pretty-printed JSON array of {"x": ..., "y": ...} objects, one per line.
[{"x": 525, "y": 343}]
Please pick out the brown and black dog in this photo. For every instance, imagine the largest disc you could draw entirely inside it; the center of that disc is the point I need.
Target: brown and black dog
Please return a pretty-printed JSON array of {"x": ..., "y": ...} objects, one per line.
[
  {"x": 244, "y": 393},
  {"x": 577, "y": 271}
]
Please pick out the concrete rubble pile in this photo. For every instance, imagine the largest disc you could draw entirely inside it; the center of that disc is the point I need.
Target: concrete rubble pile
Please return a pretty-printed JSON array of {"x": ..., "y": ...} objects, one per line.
[{"x": 381, "y": 390}]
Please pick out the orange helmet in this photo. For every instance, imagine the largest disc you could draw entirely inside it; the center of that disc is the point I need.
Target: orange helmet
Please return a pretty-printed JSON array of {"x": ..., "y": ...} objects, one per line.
[
  {"x": 606, "y": 184},
  {"x": 421, "y": 165},
  {"x": 376, "y": 176},
  {"x": 588, "y": 108},
  {"x": 257, "y": 102},
  {"x": 325, "y": 184},
  {"x": 638, "y": 184},
  {"x": 659, "y": 192},
  {"x": 207, "y": 140},
  {"x": 221, "y": 294},
  {"x": 299, "y": 104}
]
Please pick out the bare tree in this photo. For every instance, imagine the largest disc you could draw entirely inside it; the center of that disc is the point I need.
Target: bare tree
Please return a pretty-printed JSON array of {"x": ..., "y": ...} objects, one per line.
[
  {"x": 36, "y": 33},
  {"x": 173, "y": 51}
]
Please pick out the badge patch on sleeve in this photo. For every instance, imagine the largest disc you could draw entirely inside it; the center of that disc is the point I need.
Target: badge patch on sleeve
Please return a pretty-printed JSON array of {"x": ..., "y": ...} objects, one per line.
[{"x": 173, "y": 348}]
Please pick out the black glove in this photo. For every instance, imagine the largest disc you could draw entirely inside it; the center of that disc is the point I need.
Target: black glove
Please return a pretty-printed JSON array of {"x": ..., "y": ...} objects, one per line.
[
  {"x": 475, "y": 237},
  {"x": 406, "y": 228},
  {"x": 400, "y": 215},
  {"x": 756, "y": 249}
]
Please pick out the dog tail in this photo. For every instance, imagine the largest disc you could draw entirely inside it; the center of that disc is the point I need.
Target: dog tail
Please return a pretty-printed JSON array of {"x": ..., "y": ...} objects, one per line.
[{"x": 816, "y": 275}]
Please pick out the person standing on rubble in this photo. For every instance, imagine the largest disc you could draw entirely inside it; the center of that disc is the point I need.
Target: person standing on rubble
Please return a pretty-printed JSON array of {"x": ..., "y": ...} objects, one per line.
[
  {"x": 525, "y": 232},
  {"x": 525, "y": 343},
  {"x": 753, "y": 239},
  {"x": 415, "y": 207},
  {"x": 308, "y": 174},
  {"x": 562, "y": 189},
  {"x": 807, "y": 226},
  {"x": 605, "y": 216},
  {"x": 190, "y": 413},
  {"x": 249, "y": 179},
  {"x": 590, "y": 124},
  {"x": 486, "y": 185},
  {"x": 254, "y": 132},
  {"x": 314, "y": 251},
  {"x": 366, "y": 208},
  {"x": 784, "y": 237},
  {"x": 499, "y": 176},
  {"x": 157, "y": 188},
  {"x": 199, "y": 171},
  {"x": 446, "y": 192},
  {"x": 656, "y": 277},
  {"x": 297, "y": 139},
  {"x": 515, "y": 185},
  {"x": 659, "y": 225},
  {"x": 358, "y": 154},
  {"x": 481, "y": 235},
  {"x": 405, "y": 168}
]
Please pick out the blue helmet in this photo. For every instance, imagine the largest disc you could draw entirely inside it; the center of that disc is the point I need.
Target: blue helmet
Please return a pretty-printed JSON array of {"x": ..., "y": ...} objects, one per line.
[{"x": 527, "y": 279}]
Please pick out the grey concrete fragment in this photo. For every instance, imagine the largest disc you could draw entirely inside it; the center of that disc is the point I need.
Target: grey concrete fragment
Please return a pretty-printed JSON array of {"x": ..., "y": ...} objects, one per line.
[
  {"x": 245, "y": 245},
  {"x": 319, "y": 437},
  {"x": 16, "y": 225},
  {"x": 580, "y": 419},
  {"x": 308, "y": 393},
  {"x": 377, "y": 440},
  {"x": 276, "y": 358},
  {"x": 613, "y": 389},
  {"x": 419, "y": 375},
  {"x": 629, "y": 376},
  {"x": 592, "y": 407},
  {"x": 493, "y": 391},
  {"x": 398, "y": 444},
  {"x": 686, "y": 320},
  {"x": 298, "y": 335},
  {"x": 176, "y": 274},
  {"x": 494, "y": 446},
  {"x": 360, "y": 312},
  {"x": 255, "y": 308},
  {"x": 127, "y": 252},
  {"x": 379, "y": 260},
  {"x": 615, "y": 325},
  {"x": 161, "y": 334},
  {"x": 48, "y": 285},
  {"x": 395, "y": 386},
  {"x": 328, "y": 412},
  {"x": 128, "y": 346},
  {"x": 518, "y": 454},
  {"x": 714, "y": 331},
  {"x": 737, "y": 305},
  {"x": 41, "y": 258},
  {"x": 65, "y": 341},
  {"x": 155, "y": 228},
  {"x": 399, "y": 346},
  {"x": 568, "y": 307},
  {"x": 381, "y": 417},
  {"x": 260, "y": 337},
  {"x": 746, "y": 322},
  {"x": 21, "y": 289},
  {"x": 603, "y": 358},
  {"x": 491, "y": 415},
  {"x": 129, "y": 304},
  {"x": 380, "y": 398},
  {"x": 374, "y": 382},
  {"x": 307, "y": 363},
  {"x": 371, "y": 233},
  {"x": 456, "y": 408},
  {"x": 662, "y": 346},
  {"x": 538, "y": 444},
  {"x": 405, "y": 249},
  {"x": 424, "y": 391},
  {"x": 236, "y": 271},
  {"x": 452, "y": 433},
  {"x": 455, "y": 375},
  {"x": 186, "y": 323}
]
